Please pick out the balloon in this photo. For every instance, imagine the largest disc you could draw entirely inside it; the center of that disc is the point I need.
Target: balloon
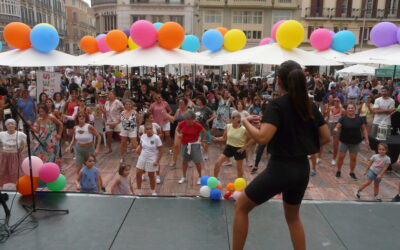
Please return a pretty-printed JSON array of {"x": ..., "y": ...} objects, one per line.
[
  {"x": 24, "y": 185},
  {"x": 267, "y": 40},
  {"x": 41, "y": 184},
  {"x": 49, "y": 172},
  {"x": 144, "y": 33},
  {"x": 1, "y": 46},
  {"x": 17, "y": 35},
  {"x": 212, "y": 40},
  {"x": 228, "y": 195},
  {"x": 131, "y": 44},
  {"x": 36, "y": 165},
  {"x": 219, "y": 186},
  {"x": 236, "y": 195},
  {"x": 46, "y": 24},
  {"x": 384, "y": 34},
  {"x": 321, "y": 39},
  {"x": 203, "y": 180},
  {"x": 170, "y": 35},
  {"x": 88, "y": 44},
  {"x": 11, "y": 47},
  {"x": 332, "y": 33},
  {"x": 117, "y": 40},
  {"x": 191, "y": 43},
  {"x": 215, "y": 194},
  {"x": 102, "y": 44},
  {"x": 98, "y": 85},
  {"x": 58, "y": 184},
  {"x": 290, "y": 34},
  {"x": 127, "y": 32},
  {"x": 99, "y": 36},
  {"x": 275, "y": 29},
  {"x": 157, "y": 25},
  {"x": 343, "y": 41},
  {"x": 240, "y": 184},
  {"x": 99, "y": 78},
  {"x": 223, "y": 30},
  {"x": 230, "y": 187},
  {"x": 234, "y": 40},
  {"x": 205, "y": 191},
  {"x": 212, "y": 182},
  {"x": 44, "y": 38},
  {"x": 398, "y": 36}
]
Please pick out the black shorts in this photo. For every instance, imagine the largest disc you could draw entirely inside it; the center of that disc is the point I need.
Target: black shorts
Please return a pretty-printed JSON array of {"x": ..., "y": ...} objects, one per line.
[
  {"x": 70, "y": 124},
  {"x": 288, "y": 176},
  {"x": 230, "y": 151}
]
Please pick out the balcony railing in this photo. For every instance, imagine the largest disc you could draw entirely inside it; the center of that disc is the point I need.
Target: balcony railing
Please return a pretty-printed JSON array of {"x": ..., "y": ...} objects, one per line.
[
  {"x": 157, "y": 1},
  {"x": 100, "y": 2},
  {"x": 344, "y": 13}
]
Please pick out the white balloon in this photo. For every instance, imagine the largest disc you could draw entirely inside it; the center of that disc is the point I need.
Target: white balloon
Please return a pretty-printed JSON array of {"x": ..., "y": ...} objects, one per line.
[
  {"x": 205, "y": 191},
  {"x": 236, "y": 195}
]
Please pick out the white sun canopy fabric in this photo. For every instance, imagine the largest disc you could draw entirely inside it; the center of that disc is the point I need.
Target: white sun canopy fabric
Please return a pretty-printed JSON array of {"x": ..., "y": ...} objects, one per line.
[
  {"x": 386, "y": 55},
  {"x": 329, "y": 54},
  {"x": 33, "y": 58},
  {"x": 273, "y": 54},
  {"x": 356, "y": 70}
]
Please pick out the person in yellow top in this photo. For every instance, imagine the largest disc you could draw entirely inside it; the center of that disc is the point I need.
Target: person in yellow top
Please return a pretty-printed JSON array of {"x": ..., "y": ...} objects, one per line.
[
  {"x": 366, "y": 111},
  {"x": 237, "y": 141}
]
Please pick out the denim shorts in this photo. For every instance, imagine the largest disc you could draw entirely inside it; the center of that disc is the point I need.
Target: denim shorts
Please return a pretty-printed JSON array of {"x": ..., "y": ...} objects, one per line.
[{"x": 372, "y": 176}]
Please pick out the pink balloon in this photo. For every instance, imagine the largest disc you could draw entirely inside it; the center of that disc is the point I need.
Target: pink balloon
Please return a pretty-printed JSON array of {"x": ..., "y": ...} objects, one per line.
[
  {"x": 102, "y": 44},
  {"x": 36, "y": 165},
  {"x": 321, "y": 39},
  {"x": 144, "y": 33},
  {"x": 267, "y": 40},
  {"x": 275, "y": 29},
  {"x": 236, "y": 195},
  {"x": 398, "y": 97},
  {"x": 49, "y": 172}
]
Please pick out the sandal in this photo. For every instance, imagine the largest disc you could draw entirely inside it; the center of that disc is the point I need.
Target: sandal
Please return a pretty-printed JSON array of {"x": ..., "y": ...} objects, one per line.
[{"x": 254, "y": 170}]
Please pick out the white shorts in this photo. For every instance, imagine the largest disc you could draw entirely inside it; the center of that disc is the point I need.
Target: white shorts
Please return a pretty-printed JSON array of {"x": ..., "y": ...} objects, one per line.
[
  {"x": 129, "y": 133},
  {"x": 146, "y": 166},
  {"x": 117, "y": 128},
  {"x": 166, "y": 127}
]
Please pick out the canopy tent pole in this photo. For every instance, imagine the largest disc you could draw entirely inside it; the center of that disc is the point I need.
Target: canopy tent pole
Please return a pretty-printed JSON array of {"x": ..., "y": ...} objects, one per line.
[
  {"x": 156, "y": 73},
  {"x": 394, "y": 73}
]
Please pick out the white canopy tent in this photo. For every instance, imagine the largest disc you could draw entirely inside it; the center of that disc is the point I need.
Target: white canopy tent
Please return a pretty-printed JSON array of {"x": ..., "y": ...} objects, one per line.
[
  {"x": 273, "y": 54},
  {"x": 385, "y": 55},
  {"x": 329, "y": 54},
  {"x": 33, "y": 58},
  {"x": 356, "y": 70}
]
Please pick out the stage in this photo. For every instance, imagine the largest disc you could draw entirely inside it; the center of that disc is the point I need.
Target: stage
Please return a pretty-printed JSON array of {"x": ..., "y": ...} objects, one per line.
[{"x": 116, "y": 222}]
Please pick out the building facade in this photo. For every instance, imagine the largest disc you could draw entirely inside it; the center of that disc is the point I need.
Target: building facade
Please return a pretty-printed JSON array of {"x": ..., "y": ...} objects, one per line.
[
  {"x": 32, "y": 12},
  {"x": 80, "y": 22},
  {"x": 358, "y": 16},
  {"x": 120, "y": 14}
]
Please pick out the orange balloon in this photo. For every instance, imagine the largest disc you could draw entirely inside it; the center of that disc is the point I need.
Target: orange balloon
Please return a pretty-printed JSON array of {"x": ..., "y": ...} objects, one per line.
[
  {"x": 88, "y": 44},
  {"x": 222, "y": 30},
  {"x": 24, "y": 185},
  {"x": 170, "y": 35},
  {"x": 230, "y": 187},
  {"x": 219, "y": 186},
  {"x": 117, "y": 40},
  {"x": 17, "y": 35}
]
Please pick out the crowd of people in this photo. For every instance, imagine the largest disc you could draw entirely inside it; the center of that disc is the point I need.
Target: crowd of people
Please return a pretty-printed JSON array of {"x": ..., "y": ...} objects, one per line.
[{"x": 182, "y": 115}]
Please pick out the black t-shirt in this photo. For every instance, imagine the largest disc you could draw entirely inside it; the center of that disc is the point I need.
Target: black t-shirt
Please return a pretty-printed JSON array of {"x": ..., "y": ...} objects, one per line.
[
  {"x": 350, "y": 132},
  {"x": 294, "y": 137},
  {"x": 202, "y": 115}
]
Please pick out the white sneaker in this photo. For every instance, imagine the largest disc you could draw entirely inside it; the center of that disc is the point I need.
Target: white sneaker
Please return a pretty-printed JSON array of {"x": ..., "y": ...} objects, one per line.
[
  {"x": 377, "y": 198},
  {"x": 154, "y": 194},
  {"x": 205, "y": 157},
  {"x": 170, "y": 151},
  {"x": 158, "y": 179},
  {"x": 199, "y": 181},
  {"x": 138, "y": 192},
  {"x": 182, "y": 180},
  {"x": 318, "y": 160},
  {"x": 227, "y": 163},
  {"x": 333, "y": 162},
  {"x": 143, "y": 177}
]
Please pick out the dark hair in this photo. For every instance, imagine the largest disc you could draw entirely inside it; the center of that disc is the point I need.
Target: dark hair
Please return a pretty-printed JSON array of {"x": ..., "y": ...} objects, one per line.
[
  {"x": 42, "y": 94},
  {"x": 57, "y": 93},
  {"x": 294, "y": 82},
  {"x": 44, "y": 107},
  {"x": 202, "y": 99},
  {"x": 146, "y": 116},
  {"x": 91, "y": 155},
  {"x": 122, "y": 168},
  {"x": 386, "y": 87},
  {"x": 87, "y": 119},
  {"x": 384, "y": 145}
]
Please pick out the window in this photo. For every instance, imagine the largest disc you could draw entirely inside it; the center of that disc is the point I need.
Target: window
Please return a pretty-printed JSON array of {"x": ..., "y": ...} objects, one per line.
[
  {"x": 253, "y": 34},
  {"x": 177, "y": 19},
  {"x": 67, "y": 48},
  {"x": 137, "y": 18},
  {"x": 393, "y": 7},
  {"x": 345, "y": 4},
  {"x": 366, "y": 33},
  {"x": 247, "y": 17},
  {"x": 156, "y": 19},
  {"x": 75, "y": 34},
  {"x": 213, "y": 16},
  {"x": 281, "y": 15},
  {"x": 369, "y": 5},
  {"x": 74, "y": 17}
]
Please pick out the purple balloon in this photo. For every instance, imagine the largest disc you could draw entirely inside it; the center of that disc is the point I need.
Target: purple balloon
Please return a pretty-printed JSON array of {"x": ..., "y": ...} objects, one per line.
[
  {"x": 127, "y": 32},
  {"x": 398, "y": 35},
  {"x": 384, "y": 34},
  {"x": 332, "y": 33}
]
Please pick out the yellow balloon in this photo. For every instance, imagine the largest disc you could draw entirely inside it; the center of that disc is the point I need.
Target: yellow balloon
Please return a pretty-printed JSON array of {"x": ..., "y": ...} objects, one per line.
[
  {"x": 132, "y": 45},
  {"x": 240, "y": 184},
  {"x": 290, "y": 34},
  {"x": 46, "y": 24},
  {"x": 234, "y": 40}
]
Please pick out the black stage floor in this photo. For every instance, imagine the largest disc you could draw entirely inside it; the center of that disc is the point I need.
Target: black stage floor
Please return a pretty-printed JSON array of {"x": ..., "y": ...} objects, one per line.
[{"x": 114, "y": 222}]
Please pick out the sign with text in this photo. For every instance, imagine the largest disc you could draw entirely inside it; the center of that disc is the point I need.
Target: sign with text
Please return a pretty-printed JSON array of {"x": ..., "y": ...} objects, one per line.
[{"x": 48, "y": 83}]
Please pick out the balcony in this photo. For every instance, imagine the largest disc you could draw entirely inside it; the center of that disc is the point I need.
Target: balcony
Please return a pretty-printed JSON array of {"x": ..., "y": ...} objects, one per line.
[
  {"x": 349, "y": 14},
  {"x": 319, "y": 13},
  {"x": 242, "y": 3},
  {"x": 157, "y": 2},
  {"x": 103, "y": 2}
]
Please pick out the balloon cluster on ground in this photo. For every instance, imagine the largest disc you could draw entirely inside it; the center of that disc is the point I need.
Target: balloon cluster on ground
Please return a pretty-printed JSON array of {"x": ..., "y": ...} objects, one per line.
[
  {"x": 44, "y": 175},
  {"x": 43, "y": 37},
  {"x": 211, "y": 188},
  {"x": 385, "y": 34},
  {"x": 323, "y": 39}
]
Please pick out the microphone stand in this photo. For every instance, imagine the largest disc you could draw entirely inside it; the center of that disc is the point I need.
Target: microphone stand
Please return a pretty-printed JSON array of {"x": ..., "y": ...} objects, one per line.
[{"x": 29, "y": 209}]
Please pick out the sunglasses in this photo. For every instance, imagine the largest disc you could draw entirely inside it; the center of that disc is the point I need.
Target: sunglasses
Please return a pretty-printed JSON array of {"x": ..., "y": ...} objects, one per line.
[{"x": 82, "y": 100}]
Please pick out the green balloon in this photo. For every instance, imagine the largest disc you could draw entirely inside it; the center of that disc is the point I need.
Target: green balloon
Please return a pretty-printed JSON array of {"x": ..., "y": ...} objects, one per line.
[
  {"x": 41, "y": 183},
  {"x": 58, "y": 184},
  {"x": 212, "y": 182}
]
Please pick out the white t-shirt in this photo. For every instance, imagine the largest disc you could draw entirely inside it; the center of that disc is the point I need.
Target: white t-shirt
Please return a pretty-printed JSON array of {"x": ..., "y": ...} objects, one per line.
[
  {"x": 382, "y": 103},
  {"x": 379, "y": 163},
  {"x": 155, "y": 128},
  {"x": 9, "y": 142},
  {"x": 113, "y": 111},
  {"x": 149, "y": 148}
]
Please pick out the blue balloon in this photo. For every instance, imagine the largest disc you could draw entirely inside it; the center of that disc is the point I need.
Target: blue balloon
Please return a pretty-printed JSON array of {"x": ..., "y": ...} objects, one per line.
[
  {"x": 127, "y": 32},
  {"x": 191, "y": 43},
  {"x": 271, "y": 42},
  {"x": 215, "y": 194},
  {"x": 212, "y": 40},
  {"x": 343, "y": 41},
  {"x": 203, "y": 180},
  {"x": 44, "y": 38},
  {"x": 99, "y": 35},
  {"x": 157, "y": 25},
  {"x": 1, "y": 46}
]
